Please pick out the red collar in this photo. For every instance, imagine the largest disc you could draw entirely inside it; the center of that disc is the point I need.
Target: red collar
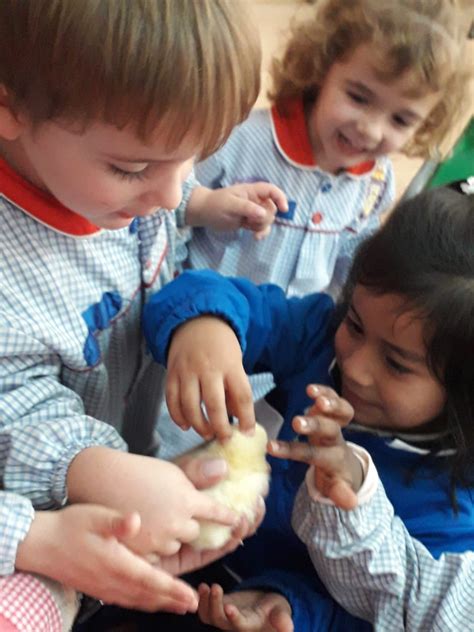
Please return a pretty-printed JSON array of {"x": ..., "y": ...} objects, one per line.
[
  {"x": 291, "y": 137},
  {"x": 41, "y": 205}
]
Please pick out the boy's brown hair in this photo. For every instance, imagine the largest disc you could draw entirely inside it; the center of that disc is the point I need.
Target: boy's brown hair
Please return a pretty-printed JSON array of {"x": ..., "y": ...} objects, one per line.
[
  {"x": 187, "y": 63},
  {"x": 427, "y": 37}
]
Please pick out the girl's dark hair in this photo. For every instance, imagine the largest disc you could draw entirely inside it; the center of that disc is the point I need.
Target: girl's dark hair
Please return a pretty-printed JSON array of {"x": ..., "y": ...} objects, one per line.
[{"x": 425, "y": 253}]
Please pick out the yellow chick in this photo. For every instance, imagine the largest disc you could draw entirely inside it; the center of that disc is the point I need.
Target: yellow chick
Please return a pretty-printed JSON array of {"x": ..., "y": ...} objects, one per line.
[{"x": 247, "y": 479}]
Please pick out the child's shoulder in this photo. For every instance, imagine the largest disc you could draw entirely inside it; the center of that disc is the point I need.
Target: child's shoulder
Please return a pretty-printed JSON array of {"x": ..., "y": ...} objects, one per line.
[{"x": 257, "y": 123}]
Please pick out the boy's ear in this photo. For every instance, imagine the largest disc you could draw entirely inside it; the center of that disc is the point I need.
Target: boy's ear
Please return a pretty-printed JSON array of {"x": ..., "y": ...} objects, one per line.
[{"x": 10, "y": 122}]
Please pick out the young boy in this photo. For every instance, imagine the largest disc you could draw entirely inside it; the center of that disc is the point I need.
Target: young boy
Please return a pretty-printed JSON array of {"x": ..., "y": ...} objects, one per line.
[{"x": 103, "y": 108}]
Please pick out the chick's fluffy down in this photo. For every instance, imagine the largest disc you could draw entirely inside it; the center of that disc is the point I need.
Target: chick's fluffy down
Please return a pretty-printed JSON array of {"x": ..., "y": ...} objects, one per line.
[{"x": 247, "y": 479}]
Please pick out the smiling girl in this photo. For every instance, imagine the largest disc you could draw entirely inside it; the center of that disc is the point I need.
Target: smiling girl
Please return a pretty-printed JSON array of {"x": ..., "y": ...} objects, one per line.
[
  {"x": 400, "y": 351},
  {"x": 356, "y": 82}
]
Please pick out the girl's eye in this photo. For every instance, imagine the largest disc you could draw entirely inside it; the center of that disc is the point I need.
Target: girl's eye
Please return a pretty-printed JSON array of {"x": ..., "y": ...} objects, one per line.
[
  {"x": 357, "y": 98},
  {"x": 400, "y": 121},
  {"x": 353, "y": 326},
  {"x": 396, "y": 366},
  {"x": 128, "y": 175}
]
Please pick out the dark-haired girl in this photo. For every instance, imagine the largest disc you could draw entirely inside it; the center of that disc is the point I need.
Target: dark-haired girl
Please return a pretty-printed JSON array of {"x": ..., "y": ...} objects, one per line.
[{"x": 401, "y": 356}]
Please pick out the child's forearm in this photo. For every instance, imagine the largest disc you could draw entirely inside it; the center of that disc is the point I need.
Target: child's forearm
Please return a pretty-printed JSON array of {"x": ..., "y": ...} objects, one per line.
[
  {"x": 93, "y": 475},
  {"x": 36, "y": 552},
  {"x": 376, "y": 570},
  {"x": 16, "y": 516},
  {"x": 197, "y": 204}
]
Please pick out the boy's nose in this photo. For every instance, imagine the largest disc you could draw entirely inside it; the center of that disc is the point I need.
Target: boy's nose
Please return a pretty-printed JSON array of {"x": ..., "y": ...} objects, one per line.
[{"x": 165, "y": 193}]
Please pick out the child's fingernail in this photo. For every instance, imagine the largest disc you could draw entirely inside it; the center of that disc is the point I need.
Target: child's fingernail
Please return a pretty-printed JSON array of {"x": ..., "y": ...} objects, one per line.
[
  {"x": 303, "y": 423},
  {"x": 325, "y": 403},
  {"x": 315, "y": 390},
  {"x": 214, "y": 467}
]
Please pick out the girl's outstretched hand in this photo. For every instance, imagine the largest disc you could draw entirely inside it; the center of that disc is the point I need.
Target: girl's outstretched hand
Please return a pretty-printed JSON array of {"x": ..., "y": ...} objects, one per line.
[
  {"x": 245, "y": 611},
  {"x": 338, "y": 472}
]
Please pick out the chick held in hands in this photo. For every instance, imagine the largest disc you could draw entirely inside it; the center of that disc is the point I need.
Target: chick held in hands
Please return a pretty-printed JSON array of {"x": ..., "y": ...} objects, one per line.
[{"x": 247, "y": 479}]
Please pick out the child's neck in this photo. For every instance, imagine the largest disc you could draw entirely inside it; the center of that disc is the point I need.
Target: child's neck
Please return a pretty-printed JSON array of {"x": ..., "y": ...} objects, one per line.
[{"x": 13, "y": 153}]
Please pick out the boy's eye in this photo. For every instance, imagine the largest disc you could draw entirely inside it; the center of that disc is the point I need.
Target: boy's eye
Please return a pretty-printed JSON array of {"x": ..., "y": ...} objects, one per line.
[
  {"x": 128, "y": 175},
  {"x": 357, "y": 98},
  {"x": 396, "y": 366}
]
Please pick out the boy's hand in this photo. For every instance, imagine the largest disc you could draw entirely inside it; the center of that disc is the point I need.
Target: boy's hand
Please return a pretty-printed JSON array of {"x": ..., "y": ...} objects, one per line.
[
  {"x": 246, "y": 611},
  {"x": 82, "y": 547},
  {"x": 168, "y": 503},
  {"x": 338, "y": 472},
  {"x": 205, "y": 366},
  {"x": 188, "y": 559},
  {"x": 252, "y": 206}
]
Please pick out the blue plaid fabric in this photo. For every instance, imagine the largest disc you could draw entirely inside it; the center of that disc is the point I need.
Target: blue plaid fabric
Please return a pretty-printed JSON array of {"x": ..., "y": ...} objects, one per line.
[
  {"x": 309, "y": 249},
  {"x": 74, "y": 367},
  {"x": 377, "y": 571},
  {"x": 16, "y": 515}
]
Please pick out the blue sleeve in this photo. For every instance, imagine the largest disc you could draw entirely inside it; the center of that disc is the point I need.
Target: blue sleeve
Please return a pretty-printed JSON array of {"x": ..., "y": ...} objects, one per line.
[
  {"x": 276, "y": 333},
  {"x": 312, "y": 607}
]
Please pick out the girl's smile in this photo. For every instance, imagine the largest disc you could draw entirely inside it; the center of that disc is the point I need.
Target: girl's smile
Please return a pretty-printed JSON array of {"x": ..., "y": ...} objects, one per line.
[
  {"x": 357, "y": 116},
  {"x": 381, "y": 353}
]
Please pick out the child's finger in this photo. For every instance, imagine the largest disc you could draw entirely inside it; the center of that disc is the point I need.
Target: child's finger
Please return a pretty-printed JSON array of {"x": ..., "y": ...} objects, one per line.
[
  {"x": 173, "y": 402},
  {"x": 261, "y": 234},
  {"x": 280, "y": 620},
  {"x": 321, "y": 430},
  {"x": 124, "y": 527},
  {"x": 295, "y": 450},
  {"x": 330, "y": 459},
  {"x": 134, "y": 583},
  {"x": 213, "y": 395},
  {"x": 204, "y": 593},
  {"x": 240, "y": 402},
  {"x": 205, "y": 508},
  {"x": 191, "y": 395},
  {"x": 272, "y": 192},
  {"x": 329, "y": 402},
  {"x": 248, "y": 621},
  {"x": 216, "y": 607}
]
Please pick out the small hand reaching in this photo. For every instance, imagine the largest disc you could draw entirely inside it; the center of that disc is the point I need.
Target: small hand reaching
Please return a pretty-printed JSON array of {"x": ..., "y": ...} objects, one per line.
[
  {"x": 338, "y": 472},
  {"x": 248, "y": 205},
  {"x": 205, "y": 365},
  {"x": 245, "y": 611}
]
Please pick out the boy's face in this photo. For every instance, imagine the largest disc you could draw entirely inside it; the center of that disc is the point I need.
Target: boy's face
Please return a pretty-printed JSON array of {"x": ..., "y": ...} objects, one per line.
[
  {"x": 381, "y": 355},
  {"x": 357, "y": 117},
  {"x": 105, "y": 174}
]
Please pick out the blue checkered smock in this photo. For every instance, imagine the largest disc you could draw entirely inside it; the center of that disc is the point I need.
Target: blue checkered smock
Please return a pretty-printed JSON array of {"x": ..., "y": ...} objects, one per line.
[{"x": 74, "y": 368}]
